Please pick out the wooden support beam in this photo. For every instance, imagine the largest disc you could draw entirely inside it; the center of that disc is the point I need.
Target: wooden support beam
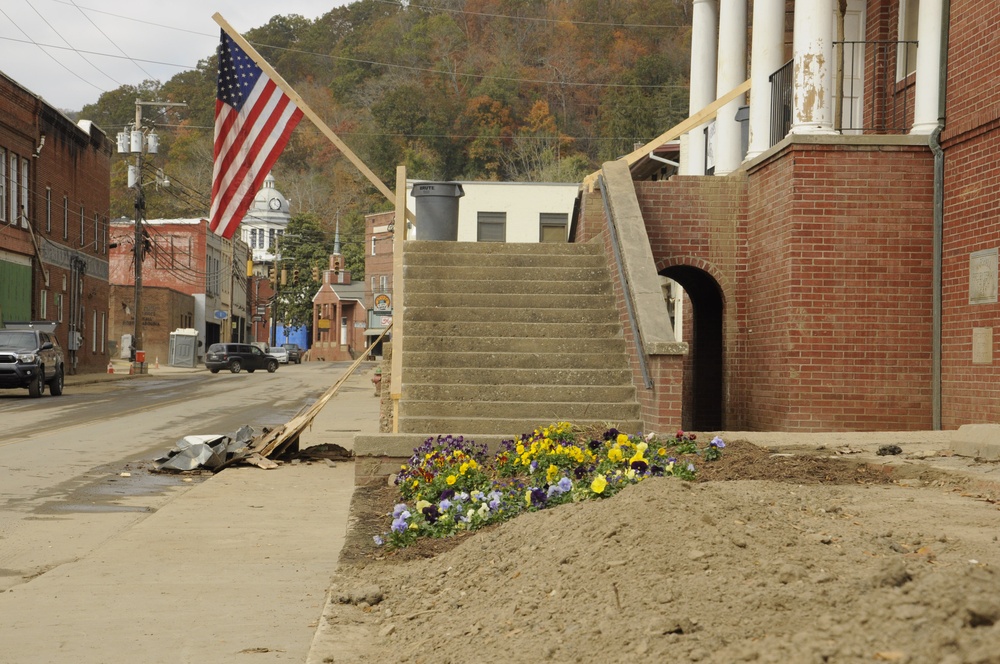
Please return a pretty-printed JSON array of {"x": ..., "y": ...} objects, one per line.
[{"x": 699, "y": 118}]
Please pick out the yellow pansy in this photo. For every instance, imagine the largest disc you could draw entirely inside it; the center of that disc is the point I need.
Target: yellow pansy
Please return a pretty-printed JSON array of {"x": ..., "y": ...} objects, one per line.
[
  {"x": 451, "y": 479},
  {"x": 599, "y": 484}
]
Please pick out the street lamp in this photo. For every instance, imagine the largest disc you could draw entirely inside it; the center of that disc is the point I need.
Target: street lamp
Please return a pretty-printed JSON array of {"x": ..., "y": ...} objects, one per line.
[{"x": 138, "y": 142}]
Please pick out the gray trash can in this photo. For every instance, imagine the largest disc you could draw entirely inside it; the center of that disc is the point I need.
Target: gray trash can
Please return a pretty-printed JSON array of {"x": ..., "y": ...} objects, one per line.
[{"x": 437, "y": 210}]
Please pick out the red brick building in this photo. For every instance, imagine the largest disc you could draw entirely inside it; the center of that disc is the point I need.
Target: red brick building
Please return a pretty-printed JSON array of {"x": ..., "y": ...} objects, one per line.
[
  {"x": 339, "y": 315},
  {"x": 841, "y": 264},
  {"x": 55, "y": 184},
  {"x": 379, "y": 229},
  {"x": 191, "y": 278}
]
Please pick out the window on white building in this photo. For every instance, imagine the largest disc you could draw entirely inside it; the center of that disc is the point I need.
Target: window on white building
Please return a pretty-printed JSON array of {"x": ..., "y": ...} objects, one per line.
[
  {"x": 552, "y": 227},
  {"x": 491, "y": 227}
]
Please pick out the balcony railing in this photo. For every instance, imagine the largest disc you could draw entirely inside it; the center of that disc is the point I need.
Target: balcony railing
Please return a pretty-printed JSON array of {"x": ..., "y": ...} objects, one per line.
[
  {"x": 872, "y": 95},
  {"x": 781, "y": 102}
]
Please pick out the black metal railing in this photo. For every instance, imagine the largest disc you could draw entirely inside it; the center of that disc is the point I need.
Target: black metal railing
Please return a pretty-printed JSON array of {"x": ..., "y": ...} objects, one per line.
[
  {"x": 883, "y": 105},
  {"x": 781, "y": 102}
]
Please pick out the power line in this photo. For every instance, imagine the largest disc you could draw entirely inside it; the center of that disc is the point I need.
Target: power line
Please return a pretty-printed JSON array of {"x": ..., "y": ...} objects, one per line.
[
  {"x": 538, "y": 19},
  {"x": 110, "y": 40},
  {"x": 30, "y": 41},
  {"x": 58, "y": 34}
]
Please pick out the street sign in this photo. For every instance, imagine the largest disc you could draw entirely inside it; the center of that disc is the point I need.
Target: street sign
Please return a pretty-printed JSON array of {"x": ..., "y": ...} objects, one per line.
[
  {"x": 257, "y": 319},
  {"x": 221, "y": 315}
]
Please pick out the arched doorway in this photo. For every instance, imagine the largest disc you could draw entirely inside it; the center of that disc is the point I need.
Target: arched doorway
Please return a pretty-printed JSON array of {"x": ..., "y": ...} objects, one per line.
[{"x": 703, "y": 405}]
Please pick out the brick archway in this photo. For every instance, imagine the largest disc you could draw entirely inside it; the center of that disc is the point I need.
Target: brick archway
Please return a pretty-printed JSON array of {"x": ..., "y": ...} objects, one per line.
[{"x": 703, "y": 401}]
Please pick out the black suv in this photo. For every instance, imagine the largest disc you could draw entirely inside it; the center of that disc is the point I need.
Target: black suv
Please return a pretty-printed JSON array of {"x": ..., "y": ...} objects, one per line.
[
  {"x": 237, "y": 357},
  {"x": 31, "y": 357},
  {"x": 294, "y": 353}
]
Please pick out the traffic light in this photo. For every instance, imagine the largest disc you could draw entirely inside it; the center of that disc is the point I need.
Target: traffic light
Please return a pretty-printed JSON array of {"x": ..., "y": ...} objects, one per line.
[
  {"x": 271, "y": 277},
  {"x": 249, "y": 267},
  {"x": 336, "y": 266},
  {"x": 315, "y": 273},
  {"x": 295, "y": 275},
  {"x": 284, "y": 276}
]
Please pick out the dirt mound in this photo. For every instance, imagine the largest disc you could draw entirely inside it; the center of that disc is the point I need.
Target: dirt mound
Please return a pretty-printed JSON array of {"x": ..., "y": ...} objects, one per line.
[{"x": 767, "y": 558}]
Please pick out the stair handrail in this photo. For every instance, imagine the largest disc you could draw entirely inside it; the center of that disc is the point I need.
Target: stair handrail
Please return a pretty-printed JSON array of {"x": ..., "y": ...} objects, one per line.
[{"x": 626, "y": 293}]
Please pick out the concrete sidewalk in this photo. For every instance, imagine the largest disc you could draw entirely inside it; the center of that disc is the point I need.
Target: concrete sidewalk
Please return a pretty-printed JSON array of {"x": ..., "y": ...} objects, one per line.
[{"x": 238, "y": 564}]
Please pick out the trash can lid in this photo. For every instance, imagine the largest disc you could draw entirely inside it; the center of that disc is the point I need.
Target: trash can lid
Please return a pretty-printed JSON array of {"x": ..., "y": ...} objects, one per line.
[{"x": 449, "y": 189}]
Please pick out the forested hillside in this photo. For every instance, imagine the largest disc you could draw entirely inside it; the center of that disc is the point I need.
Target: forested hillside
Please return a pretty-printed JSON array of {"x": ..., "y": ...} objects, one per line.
[{"x": 511, "y": 90}]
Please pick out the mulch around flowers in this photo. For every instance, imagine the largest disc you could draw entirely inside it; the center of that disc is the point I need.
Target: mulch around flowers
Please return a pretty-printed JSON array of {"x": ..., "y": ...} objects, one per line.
[
  {"x": 741, "y": 461},
  {"x": 766, "y": 558}
]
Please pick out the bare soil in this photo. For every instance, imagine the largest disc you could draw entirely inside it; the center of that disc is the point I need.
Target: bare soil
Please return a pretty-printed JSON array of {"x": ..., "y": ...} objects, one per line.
[{"x": 766, "y": 558}]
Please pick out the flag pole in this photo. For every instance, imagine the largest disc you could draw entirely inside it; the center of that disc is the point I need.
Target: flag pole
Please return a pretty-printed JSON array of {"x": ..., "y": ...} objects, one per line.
[{"x": 308, "y": 112}]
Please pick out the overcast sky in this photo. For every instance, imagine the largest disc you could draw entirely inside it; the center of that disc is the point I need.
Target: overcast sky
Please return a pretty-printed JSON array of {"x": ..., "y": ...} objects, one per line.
[{"x": 70, "y": 51}]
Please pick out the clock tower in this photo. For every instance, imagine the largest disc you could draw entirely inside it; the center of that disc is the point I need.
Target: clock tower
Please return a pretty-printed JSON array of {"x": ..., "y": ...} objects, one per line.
[{"x": 265, "y": 223}]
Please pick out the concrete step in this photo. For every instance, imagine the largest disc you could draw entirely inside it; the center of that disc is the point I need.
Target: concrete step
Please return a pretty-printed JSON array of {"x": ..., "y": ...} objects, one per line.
[
  {"x": 476, "y": 361},
  {"x": 519, "y": 316},
  {"x": 551, "y": 411},
  {"x": 531, "y": 330},
  {"x": 469, "y": 427},
  {"x": 480, "y": 271},
  {"x": 478, "y": 393},
  {"x": 485, "y": 344},
  {"x": 518, "y": 301},
  {"x": 481, "y": 282},
  {"x": 414, "y": 247},
  {"x": 498, "y": 259},
  {"x": 507, "y": 376}
]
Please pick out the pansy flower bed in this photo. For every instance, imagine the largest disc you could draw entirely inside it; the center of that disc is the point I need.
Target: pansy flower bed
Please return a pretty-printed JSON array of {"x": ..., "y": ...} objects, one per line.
[{"x": 451, "y": 485}]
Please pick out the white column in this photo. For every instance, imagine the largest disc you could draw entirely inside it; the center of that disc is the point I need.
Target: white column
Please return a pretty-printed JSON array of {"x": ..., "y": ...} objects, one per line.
[
  {"x": 812, "y": 68},
  {"x": 732, "y": 71},
  {"x": 704, "y": 54},
  {"x": 767, "y": 56},
  {"x": 927, "y": 92}
]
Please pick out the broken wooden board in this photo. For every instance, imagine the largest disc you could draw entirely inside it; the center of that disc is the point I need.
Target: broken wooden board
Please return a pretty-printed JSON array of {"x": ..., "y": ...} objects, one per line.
[{"x": 281, "y": 439}]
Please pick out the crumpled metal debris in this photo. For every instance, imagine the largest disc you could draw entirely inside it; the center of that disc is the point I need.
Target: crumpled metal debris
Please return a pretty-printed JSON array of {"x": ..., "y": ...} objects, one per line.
[{"x": 207, "y": 451}]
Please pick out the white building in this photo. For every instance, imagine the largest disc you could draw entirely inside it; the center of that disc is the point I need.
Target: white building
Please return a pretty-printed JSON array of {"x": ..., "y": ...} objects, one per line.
[
  {"x": 265, "y": 222},
  {"x": 511, "y": 211}
]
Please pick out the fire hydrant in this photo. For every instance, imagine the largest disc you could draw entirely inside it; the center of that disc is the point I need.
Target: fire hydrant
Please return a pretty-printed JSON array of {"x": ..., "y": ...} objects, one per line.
[{"x": 377, "y": 381}]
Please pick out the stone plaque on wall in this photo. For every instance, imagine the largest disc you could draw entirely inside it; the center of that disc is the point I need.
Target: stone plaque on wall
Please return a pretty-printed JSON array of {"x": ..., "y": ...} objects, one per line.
[
  {"x": 982, "y": 345},
  {"x": 983, "y": 277}
]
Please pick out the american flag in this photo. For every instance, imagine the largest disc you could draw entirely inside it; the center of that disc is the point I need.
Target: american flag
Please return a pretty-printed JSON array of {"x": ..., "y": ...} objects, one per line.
[{"x": 253, "y": 121}]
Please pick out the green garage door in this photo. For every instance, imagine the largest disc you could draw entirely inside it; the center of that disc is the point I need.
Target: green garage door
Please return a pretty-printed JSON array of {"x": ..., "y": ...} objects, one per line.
[{"x": 15, "y": 287}]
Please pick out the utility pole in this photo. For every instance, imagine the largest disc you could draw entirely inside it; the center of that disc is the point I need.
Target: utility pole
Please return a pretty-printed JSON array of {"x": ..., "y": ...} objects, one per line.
[{"x": 138, "y": 142}]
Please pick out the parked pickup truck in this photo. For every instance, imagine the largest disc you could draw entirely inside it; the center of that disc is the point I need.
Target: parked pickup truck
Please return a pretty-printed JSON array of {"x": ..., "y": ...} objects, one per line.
[{"x": 30, "y": 357}]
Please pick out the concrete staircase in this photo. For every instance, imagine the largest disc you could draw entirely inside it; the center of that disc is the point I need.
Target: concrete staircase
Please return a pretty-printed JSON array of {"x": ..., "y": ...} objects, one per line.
[{"x": 502, "y": 338}]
